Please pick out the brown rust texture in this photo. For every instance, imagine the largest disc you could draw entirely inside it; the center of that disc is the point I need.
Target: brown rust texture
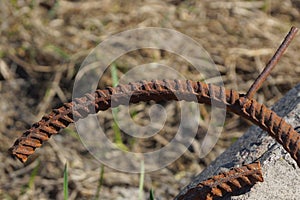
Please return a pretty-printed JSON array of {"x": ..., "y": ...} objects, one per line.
[
  {"x": 157, "y": 90},
  {"x": 225, "y": 183},
  {"x": 272, "y": 63}
]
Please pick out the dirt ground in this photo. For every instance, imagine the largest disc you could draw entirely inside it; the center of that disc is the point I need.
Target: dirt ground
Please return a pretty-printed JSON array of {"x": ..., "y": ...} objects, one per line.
[{"x": 43, "y": 43}]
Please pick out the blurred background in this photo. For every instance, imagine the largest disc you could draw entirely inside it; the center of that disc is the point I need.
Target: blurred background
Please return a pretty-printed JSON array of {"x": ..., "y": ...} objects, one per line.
[{"x": 43, "y": 43}]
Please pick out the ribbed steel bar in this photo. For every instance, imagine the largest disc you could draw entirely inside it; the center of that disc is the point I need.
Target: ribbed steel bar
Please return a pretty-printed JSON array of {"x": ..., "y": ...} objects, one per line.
[
  {"x": 225, "y": 183},
  {"x": 158, "y": 90}
]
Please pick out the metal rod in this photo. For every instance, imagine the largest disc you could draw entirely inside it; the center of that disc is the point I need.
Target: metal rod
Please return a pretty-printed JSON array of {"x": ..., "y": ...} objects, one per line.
[{"x": 271, "y": 64}]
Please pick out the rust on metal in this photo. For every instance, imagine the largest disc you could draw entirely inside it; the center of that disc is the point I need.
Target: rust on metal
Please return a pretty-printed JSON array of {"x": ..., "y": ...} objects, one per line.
[
  {"x": 271, "y": 64},
  {"x": 158, "y": 90},
  {"x": 225, "y": 183},
  {"x": 177, "y": 90}
]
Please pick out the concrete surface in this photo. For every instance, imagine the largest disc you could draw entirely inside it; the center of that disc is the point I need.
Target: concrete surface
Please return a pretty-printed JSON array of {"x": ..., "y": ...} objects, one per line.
[{"x": 280, "y": 171}]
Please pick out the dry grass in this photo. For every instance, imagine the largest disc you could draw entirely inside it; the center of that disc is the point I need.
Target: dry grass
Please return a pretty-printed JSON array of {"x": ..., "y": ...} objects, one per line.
[{"x": 42, "y": 44}]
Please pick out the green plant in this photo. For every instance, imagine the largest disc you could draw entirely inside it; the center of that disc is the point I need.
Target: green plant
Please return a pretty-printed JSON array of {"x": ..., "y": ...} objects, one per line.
[
  {"x": 72, "y": 133},
  {"x": 151, "y": 195},
  {"x": 58, "y": 51},
  {"x": 33, "y": 174},
  {"x": 100, "y": 183},
  {"x": 141, "y": 185},
  {"x": 66, "y": 195},
  {"x": 115, "y": 127}
]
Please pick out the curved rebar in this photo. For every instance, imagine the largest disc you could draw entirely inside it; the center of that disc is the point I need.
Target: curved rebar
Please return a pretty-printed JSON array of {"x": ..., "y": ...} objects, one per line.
[
  {"x": 158, "y": 90},
  {"x": 225, "y": 183}
]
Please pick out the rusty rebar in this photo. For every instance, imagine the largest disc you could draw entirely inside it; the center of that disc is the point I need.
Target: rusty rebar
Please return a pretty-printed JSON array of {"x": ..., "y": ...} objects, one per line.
[
  {"x": 272, "y": 63},
  {"x": 177, "y": 90},
  {"x": 158, "y": 90},
  {"x": 225, "y": 183}
]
